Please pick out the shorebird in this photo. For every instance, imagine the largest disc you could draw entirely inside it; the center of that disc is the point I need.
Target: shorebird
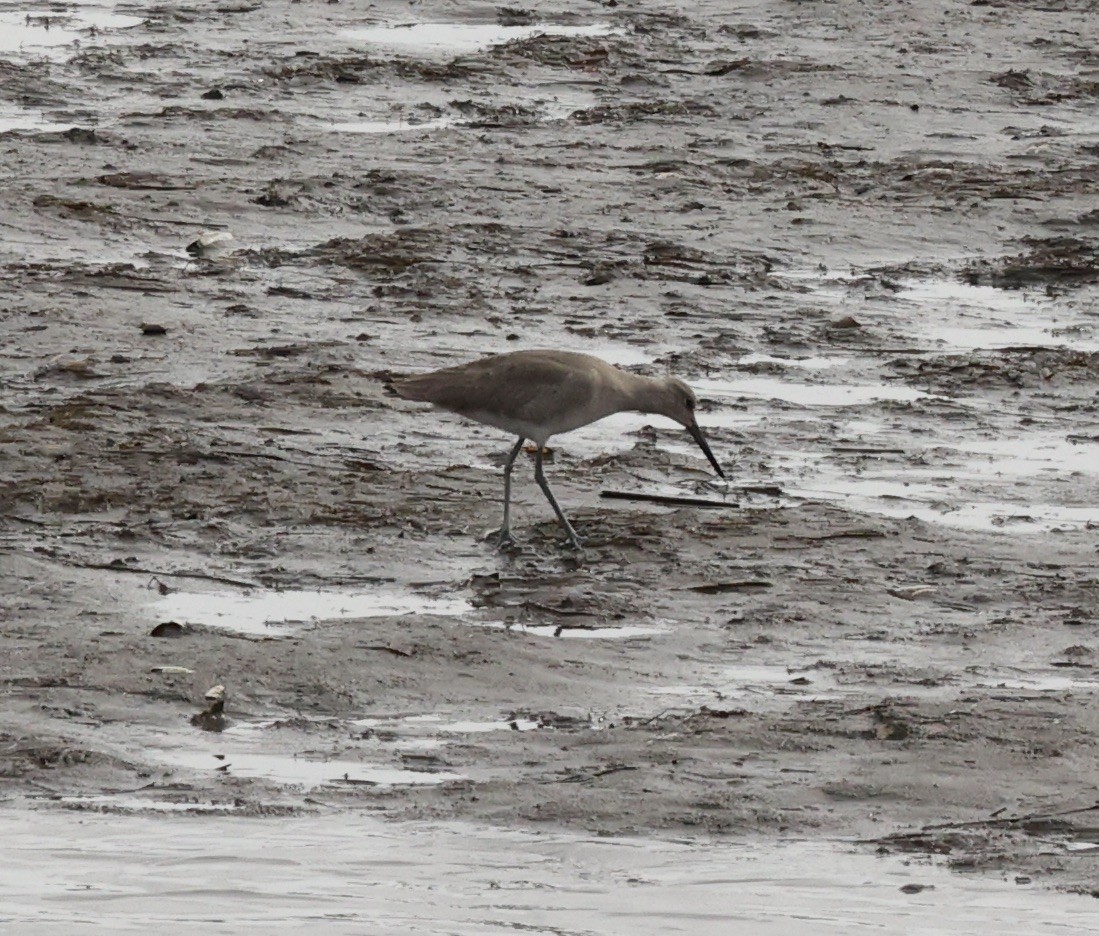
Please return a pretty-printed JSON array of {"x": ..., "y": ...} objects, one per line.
[{"x": 538, "y": 394}]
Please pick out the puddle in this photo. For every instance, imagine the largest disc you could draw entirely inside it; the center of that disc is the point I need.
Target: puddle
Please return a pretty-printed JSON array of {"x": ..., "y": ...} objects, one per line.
[
  {"x": 1081, "y": 846},
  {"x": 684, "y": 691},
  {"x": 990, "y": 337},
  {"x": 983, "y": 317},
  {"x": 940, "y": 505},
  {"x": 547, "y": 112},
  {"x": 434, "y": 725},
  {"x": 1032, "y": 455},
  {"x": 130, "y": 803},
  {"x": 394, "y": 126},
  {"x": 131, "y": 874},
  {"x": 950, "y": 315},
  {"x": 958, "y": 294},
  {"x": 1033, "y": 483},
  {"x": 808, "y": 394},
  {"x": 1037, "y": 683},
  {"x": 299, "y": 771},
  {"x": 724, "y": 419},
  {"x": 564, "y": 632},
  {"x": 762, "y": 675},
  {"x": 286, "y": 755},
  {"x": 759, "y": 683},
  {"x": 28, "y": 120},
  {"x": 623, "y": 354},
  {"x": 483, "y": 727},
  {"x": 279, "y": 613},
  {"x": 861, "y": 427},
  {"x": 461, "y": 38},
  {"x": 763, "y": 686},
  {"x": 821, "y": 683},
  {"x": 808, "y": 363},
  {"x": 46, "y": 34}
]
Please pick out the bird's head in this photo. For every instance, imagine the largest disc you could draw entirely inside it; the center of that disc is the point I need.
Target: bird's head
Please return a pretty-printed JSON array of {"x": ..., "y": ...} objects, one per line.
[{"x": 678, "y": 402}]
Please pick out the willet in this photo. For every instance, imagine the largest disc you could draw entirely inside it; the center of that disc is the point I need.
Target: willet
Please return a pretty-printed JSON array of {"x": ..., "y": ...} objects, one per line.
[{"x": 537, "y": 394}]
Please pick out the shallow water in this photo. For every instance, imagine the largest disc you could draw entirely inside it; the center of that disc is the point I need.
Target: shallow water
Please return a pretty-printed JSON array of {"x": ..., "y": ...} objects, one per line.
[
  {"x": 12, "y": 119},
  {"x": 807, "y": 394},
  {"x": 44, "y": 32},
  {"x": 948, "y": 315},
  {"x": 944, "y": 504},
  {"x": 968, "y": 318},
  {"x": 296, "y": 754},
  {"x": 394, "y": 126},
  {"x": 279, "y": 613},
  {"x": 808, "y": 363},
  {"x": 465, "y": 37},
  {"x": 432, "y": 725},
  {"x": 122, "y": 874},
  {"x": 1027, "y": 456},
  {"x": 609, "y": 632},
  {"x": 234, "y": 758}
]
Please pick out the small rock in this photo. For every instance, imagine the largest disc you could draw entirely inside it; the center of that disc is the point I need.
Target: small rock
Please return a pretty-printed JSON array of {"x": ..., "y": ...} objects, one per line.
[
  {"x": 1013, "y": 80},
  {"x": 847, "y": 321},
  {"x": 916, "y": 888},
  {"x": 598, "y": 278},
  {"x": 84, "y": 135},
  {"x": 212, "y": 718},
  {"x": 210, "y": 244},
  {"x": 168, "y": 629},
  {"x": 152, "y": 328},
  {"x": 214, "y": 94},
  {"x": 891, "y": 730}
]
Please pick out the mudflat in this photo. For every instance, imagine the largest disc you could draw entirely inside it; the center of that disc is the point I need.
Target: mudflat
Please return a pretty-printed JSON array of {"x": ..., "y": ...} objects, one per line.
[{"x": 866, "y": 234}]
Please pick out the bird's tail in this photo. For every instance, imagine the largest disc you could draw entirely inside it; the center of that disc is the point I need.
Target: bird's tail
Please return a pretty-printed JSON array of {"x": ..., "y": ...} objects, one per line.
[{"x": 417, "y": 389}]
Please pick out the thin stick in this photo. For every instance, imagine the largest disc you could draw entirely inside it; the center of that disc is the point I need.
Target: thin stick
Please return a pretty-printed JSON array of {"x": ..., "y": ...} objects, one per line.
[
  {"x": 111, "y": 567},
  {"x": 666, "y": 499}
]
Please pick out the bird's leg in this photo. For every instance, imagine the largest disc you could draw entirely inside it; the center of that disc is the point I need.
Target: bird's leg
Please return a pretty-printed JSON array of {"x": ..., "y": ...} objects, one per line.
[
  {"x": 540, "y": 477},
  {"x": 505, "y": 531}
]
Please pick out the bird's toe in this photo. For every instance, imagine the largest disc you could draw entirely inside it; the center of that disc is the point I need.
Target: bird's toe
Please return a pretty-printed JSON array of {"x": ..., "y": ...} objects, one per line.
[{"x": 505, "y": 541}]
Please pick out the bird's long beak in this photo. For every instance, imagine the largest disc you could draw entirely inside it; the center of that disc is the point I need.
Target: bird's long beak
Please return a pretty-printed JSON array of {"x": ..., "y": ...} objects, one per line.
[{"x": 697, "y": 435}]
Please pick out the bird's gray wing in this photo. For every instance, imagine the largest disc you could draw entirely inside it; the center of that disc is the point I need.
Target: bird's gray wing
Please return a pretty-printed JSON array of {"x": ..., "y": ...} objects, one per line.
[{"x": 531, "y": 387}]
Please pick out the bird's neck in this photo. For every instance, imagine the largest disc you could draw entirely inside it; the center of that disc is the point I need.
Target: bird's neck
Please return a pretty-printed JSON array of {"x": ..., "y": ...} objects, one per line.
[{"x": 643, "y": 394}]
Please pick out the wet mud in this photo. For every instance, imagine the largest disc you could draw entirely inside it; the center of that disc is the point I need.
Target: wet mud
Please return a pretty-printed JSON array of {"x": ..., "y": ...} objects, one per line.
[{"x": 867, "y": 234}]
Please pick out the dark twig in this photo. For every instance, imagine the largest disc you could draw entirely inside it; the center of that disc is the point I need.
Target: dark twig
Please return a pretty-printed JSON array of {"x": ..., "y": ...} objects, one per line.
[
  {"x": 115, "y": 567},
  {"x": 667, "y": 499},
  {"x": 585, "y": 777}
]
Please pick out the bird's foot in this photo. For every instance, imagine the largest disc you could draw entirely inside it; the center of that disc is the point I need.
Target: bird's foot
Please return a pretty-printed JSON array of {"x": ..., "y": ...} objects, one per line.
[
  {"x": 505, "y": 541},
  {"x": 574, "y": 542},
  {"x": 574, "y": 556}
]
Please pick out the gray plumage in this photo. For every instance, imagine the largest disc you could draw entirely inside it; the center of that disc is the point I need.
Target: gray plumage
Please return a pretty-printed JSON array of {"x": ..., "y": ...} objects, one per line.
[{"x": 538, "y": 394}]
